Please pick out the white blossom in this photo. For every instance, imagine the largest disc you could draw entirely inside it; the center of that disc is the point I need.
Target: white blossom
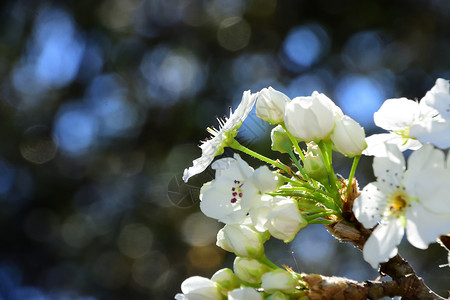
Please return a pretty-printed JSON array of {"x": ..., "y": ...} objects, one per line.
[
  {"x": 242, "y": 239},
  {"x": 230, "y": 196},
  {"x": 348, "y": 137},
  {"x": 221, "y": 137},
  {"x": 279, "y": 280},
  {"x": 415, "y": 200},
  {"x": 437, "y": 129},
  {"x": 270, "y": 105},
  {"x": 411, "y": 123},
  {"x": 311, "y": 118},
  {"x": 280, "y": 216},
  {"x": 198, "y": 288}
]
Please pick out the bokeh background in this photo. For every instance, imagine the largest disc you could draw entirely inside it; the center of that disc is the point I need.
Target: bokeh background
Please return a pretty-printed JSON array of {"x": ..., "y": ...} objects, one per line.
[{"x": 103, "y": 104}]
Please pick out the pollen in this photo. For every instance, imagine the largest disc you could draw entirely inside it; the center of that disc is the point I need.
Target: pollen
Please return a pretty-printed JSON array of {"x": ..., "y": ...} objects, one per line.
[{"x": 398, "y": 202}]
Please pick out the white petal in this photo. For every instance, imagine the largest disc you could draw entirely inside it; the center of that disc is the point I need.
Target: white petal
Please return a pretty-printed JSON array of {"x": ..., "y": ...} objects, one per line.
[
  {"x": 264, "y": 179},
  {"x": 209, "y": 150},
  {"x": 233, "y": 168},
  {"x": 382, "y": 243},
  {"x": 216, "y": 203},
  {"x": 375, "y": 143},
  {"x": 389, "y": 169},
  {"x": 369, "y": 205},
  {"x": 433, "y": 132},
  {"x": 424, "y": 158},
  {"x": 439, "y": 97},
  {"x": 396, "y": 114},
  {"x": 424, "y": 227},
  {"x": 431, "y": 186}
]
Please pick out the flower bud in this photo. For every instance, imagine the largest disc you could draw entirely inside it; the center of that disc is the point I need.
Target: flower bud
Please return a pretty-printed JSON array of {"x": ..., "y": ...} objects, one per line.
[
  {"x": 284, "y": 219},
  {"x": 197, "y": 287},
  {"x": 348, "y": 137},
  {"x": 246, "y": 293},
  {"x": 270, "y": 105},
  {"x": 311, "y": 118},
  {"x": 280, "y": 140},
  {"x": 226, "y": 279},
  {"x": 313, "y": 164},
  {"x": 241, "y": 239},
  {"x": 279, "y": 280},
  {"x": 249, "y": 270}
]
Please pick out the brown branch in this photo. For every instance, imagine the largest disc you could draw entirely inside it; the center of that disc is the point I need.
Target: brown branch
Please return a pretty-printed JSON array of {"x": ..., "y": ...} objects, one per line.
[{"x": 325, "y": 288}]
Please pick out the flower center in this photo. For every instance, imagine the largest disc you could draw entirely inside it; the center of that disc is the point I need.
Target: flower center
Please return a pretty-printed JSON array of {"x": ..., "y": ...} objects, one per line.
[
  {"x": 236, "y": 191},
  {"x": 398, "y": 202}
]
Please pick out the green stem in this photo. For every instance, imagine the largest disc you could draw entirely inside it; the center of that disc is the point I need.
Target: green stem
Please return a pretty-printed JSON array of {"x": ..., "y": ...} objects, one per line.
[
  {"x": 319, "y": 215},
  {"x": 235, "y": 145},
  {"x": 352, "y": 174},
  {"x": 331, "y": 175},
  {"x": 263, "y": 259},
  {"x": 294, "y": 142},
  {"x": 324, "y": 222}
]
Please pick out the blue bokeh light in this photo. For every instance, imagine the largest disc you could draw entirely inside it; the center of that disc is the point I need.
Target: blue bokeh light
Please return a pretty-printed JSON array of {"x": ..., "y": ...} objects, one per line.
[
  {"x": 53, "y": 56},
  {"x": 106, "y": 100},
  {"x": 363, "y": 51},
  {"x": 359, "y": 97},
  {"x": 75, "y": 129},
  {"x": 304, "y": 46}
]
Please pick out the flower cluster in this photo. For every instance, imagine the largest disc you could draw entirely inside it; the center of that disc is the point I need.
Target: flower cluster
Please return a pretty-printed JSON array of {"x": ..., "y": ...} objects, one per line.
[{"x": 278, "y": 200}]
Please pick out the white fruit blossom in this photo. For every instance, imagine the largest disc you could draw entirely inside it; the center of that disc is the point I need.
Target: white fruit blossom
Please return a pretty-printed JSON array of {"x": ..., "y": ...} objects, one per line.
[
  {"x": 279, "y": 280},
  {"x": 230, "y": 196},
  {"x": 221, "y": 137},
  {"x": 280, "y": 216},
  {"x": 199, "y": 288},
  {"x": 415, "y": 200},
  {"x": 270, "y": 105},
  {"x": 242, "y": 239},
  {"x": 411, "y": 123},
  {"x": 348, "y": 137},
  {"x": 437, "y": 129},
  {"x": 311, "y": 118}
]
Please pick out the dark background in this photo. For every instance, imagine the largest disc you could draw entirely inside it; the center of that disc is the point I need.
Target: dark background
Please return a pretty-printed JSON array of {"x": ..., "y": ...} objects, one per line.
[{"x": 103, "y": 104}]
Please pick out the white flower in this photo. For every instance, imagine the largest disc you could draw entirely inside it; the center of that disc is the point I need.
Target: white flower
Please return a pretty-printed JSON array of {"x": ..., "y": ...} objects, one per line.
[
  {"x": 246, "y": 293},
  {"x": 411, "y": 123},
  {"x": 348, "y": 137},
  {"x": 311, "y": 118},
  {"x": 270, "y": 105},
  {"x": 242, "y": 239},
  {"x": 437, "y": 129},
  {"x": 415, "y": 199},
  {"x": 280, "y": 216},
  {"x": 199, "y": 288},
  {"x": 236, "y": 188},
  {"x": 220, "y": 138},
  {"x": 439, "y": 98},
  {"x": 278, "y": 280}
]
